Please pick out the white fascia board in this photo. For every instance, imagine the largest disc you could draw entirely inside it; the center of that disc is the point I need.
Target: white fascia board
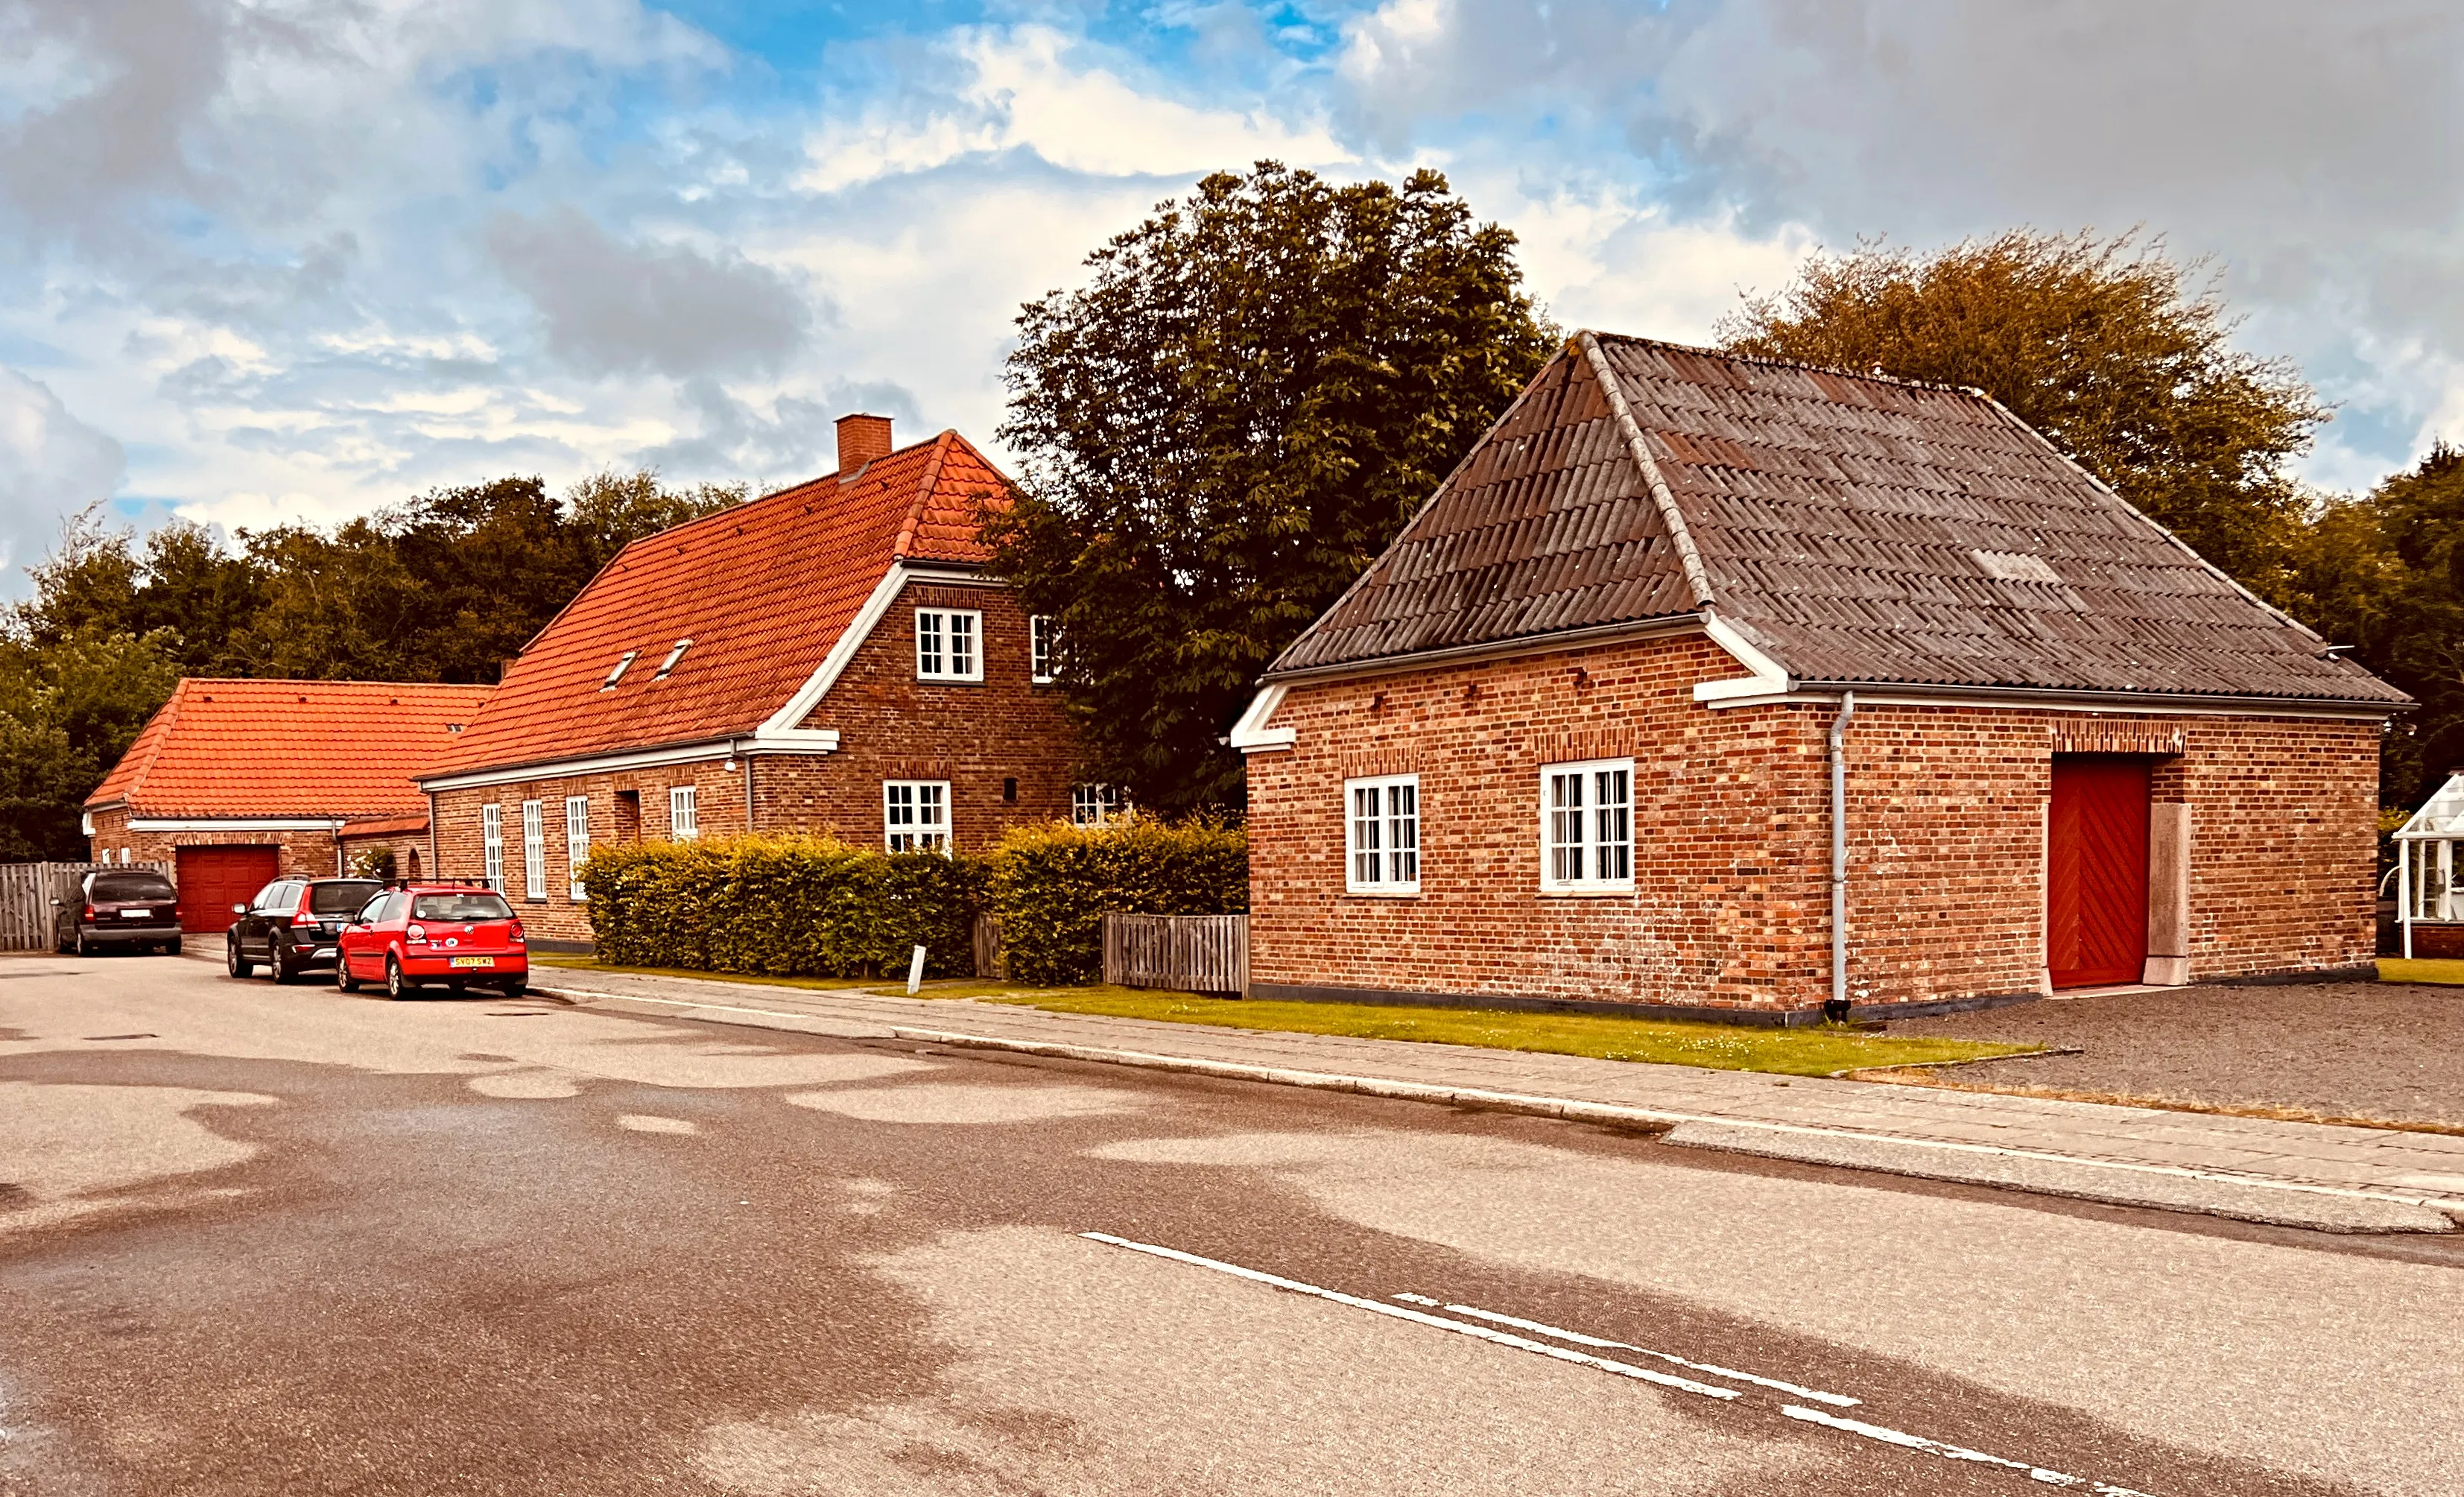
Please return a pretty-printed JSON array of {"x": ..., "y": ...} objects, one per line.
[
  {"x": 860, "y": 628},
  {"x": 1769, "y": 677},
  {"x": 2087, "y": 706},
  {"x": 85, "y": 824},
  {"x": 1251, "y": 734},
  {"x": 234, "y": 822},
  {"x": 799, "y": 741}
]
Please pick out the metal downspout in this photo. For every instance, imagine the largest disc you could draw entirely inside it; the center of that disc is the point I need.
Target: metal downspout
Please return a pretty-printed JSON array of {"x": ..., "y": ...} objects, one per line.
[
  {"x": 2403, "y": 892},
  {"x": 1837, "y": 1010}
]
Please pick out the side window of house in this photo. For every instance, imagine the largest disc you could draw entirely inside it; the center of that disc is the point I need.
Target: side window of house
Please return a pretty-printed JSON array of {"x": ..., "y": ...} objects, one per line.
[
  {"x": 949, "y": 645},
  {"x": 577, "y": 843},
  {"x": 1382, "y": 835},
  {"x": 684, "y": 815},
  {"x": 1587, "y": 827},
  {"x": 916, "y": 815},
  {"x": 1042, "y": 651},
  {"x": 534, "y": 852},
  {"x": 491, "y": 843},
  {"x": 1093, "y": 806}
]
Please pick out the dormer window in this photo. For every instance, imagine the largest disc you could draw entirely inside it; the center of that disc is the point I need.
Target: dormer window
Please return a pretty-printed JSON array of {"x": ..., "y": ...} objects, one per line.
[
  {"x": 673, "y": 655},
  {"x": 616, "y": 673}
]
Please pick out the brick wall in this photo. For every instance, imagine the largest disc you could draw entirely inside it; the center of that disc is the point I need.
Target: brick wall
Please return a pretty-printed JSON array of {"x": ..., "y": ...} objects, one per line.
[
  {"x": 410, "y": 852},
  {"x": 304, "y": 854},
  {"x": 1946, "y": 818},
  {"x": 892, "y": 726}
]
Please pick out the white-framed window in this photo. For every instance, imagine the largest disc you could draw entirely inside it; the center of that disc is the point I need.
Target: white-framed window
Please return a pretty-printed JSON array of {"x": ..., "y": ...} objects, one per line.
[
  {"x": 916, "y": 815},
  {"x": 669, "y": 664},
  {"x": 1042, "y": 640},
  {"x": 949, "y": 645},
  {"x": 1093, "y": 806},
  {"x": 577, "y": 843},
  {"x": 615, "y": 673},
  {"x": 534, "y": 852},
  {"x": 1587, "y": 827},
  {"x": 491, "y": 843},
  {"x": 1382, "y": 835},
  {"x": 684, "y": 818}
]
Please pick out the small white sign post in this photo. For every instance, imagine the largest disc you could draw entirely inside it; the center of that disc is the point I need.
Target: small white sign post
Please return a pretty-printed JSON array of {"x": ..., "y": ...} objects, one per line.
[{"x": 915, "y": 972}]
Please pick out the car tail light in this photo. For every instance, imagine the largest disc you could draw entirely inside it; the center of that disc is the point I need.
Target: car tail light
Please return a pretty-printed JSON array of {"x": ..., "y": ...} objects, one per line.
[
  {"x": 416, "y": 934},
  {"x": 514, "y": 931}
]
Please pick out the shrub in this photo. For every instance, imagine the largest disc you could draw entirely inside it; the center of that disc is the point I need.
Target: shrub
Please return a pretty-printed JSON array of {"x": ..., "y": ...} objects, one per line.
[
  {"x": 782, "y": 906},
  {"x": 1053, "y": 885}
]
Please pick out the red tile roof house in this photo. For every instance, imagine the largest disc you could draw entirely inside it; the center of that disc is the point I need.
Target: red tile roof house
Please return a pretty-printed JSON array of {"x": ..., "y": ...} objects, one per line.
[
  {"x": 830, "y": 658},
  {"x": 1570, "y": 740},
  {"x": 236, "y": 783}
]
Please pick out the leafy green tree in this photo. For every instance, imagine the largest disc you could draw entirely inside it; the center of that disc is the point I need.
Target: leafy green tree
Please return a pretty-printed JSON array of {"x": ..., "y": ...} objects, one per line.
[
  {"x": 2384, "y": 574},
  {"x": 1223, "y": 426},
  {"x": 2103, "y": 345},
  {"x": 67, "y": 709}
]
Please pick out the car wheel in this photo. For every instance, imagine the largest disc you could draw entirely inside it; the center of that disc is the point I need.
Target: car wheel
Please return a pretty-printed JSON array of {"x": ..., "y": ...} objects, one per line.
[
  {"x": 81, "y": 949},
  {"x": 284, "y": 971},
  {"x": 398, "y": 984},
  {"x": 517, "y": 988},
  {"x": 235, "y": 963},
  {"x": 343, "y": 978},
  {"x": 172, "y": 947}
]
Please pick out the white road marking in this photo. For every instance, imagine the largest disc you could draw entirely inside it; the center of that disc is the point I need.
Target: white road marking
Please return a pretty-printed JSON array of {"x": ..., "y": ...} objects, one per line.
[
  {"x": 1377, "y": 1308},
  {"x": 1908, "y": 1441},
  {"x": 1879, "y": 1433},
  {"x": 1834, "y": 1399}
]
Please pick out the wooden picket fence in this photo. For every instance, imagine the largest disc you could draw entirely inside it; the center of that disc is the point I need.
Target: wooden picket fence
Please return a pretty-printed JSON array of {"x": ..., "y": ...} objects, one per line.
[
  {"x": 26, "y": 894},
  {"x": 1185, "y": 952}
]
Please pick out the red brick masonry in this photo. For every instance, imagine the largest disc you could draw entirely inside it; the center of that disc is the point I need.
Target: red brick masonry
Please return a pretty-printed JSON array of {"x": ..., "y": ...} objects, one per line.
[{"x": 1946, "y": 809}]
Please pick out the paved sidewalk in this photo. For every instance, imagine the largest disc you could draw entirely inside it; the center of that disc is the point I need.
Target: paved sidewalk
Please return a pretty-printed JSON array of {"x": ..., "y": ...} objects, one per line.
[{"x": 2310, "y": 1174}]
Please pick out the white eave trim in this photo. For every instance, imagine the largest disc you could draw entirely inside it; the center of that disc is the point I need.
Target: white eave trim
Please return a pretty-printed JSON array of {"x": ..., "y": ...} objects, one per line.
[
  {"x": 822, "y": 740},
  {"x": 1769, "y": 677},
  {"x": 2095, "y": 705},
  {"x": 1251, "y": 734},
  {"x": 860, "y": 628},
  {"x": 234, "y": 822}
]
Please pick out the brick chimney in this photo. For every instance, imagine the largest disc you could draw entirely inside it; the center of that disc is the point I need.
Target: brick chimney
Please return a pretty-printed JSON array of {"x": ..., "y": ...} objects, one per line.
[{"x": 861, "y": 440}]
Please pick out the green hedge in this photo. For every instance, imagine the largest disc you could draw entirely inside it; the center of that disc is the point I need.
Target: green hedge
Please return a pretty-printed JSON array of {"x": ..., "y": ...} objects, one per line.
[
  {"x": 782, "y": 906},
  {"x": 815, "y": 907},
  {"x": 1052, "y": 886}
]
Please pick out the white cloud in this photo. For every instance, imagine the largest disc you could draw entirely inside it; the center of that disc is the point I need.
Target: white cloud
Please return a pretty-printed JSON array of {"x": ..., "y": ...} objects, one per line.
[{"x": 51, "y": 465}]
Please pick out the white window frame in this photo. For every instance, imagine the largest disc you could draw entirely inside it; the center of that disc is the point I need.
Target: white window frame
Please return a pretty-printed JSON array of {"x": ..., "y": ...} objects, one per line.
[
  {"x": 534, "y": 852},
  {"x": 1040, "y": 656},
  {"x": 491, "y": 844},
  {"x": 576, "y": 843},
  {"x": 684, "y": 813},
  {"x": 669, "y": 664},
  {"x": 1381, "y": 835},
  {"x": 951, "y": 645},
  {"x": 916, "y": 815},
  {"x": 1098, "y": 805},
  {"x": 615, "y": 673},
  {"x": 1601, "y": 862}
]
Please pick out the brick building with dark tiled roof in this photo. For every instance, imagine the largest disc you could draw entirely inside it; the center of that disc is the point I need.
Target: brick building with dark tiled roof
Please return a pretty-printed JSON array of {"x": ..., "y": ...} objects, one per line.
[
  {"x": 834, "y": 657},
  {"x": 236, "y": 783},
  {"x": 1586, "y": 732}
]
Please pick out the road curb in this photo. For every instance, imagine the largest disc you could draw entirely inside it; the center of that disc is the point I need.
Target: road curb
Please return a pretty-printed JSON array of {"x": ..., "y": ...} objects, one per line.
[{"x": 2220, "y": 1193}]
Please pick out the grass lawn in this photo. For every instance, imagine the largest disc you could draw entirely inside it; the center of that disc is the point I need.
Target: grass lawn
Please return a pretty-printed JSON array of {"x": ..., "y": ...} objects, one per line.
[
  {"x": 572, "y": 963},
  {"x": 2392, "y": 969},
  {"x": 1788, "y": 1052}
]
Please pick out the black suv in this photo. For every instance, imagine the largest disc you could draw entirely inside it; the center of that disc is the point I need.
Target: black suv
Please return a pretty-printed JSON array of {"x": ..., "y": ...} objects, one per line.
[
  {"x": 292, "y": 923},
  {"x": 131, "y": 907}
]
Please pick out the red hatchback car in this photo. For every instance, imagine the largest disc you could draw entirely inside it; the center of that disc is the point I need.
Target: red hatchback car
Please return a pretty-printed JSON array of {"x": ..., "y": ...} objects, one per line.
[{"x": 454, "y": 934}]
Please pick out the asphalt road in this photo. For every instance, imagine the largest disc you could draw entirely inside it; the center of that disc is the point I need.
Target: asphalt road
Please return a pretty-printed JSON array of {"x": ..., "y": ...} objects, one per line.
[{"x": 278, "y": 1239}]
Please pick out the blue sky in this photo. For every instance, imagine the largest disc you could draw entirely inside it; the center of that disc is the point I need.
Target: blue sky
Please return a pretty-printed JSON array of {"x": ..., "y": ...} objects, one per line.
[{"x": 290, "y": 260}]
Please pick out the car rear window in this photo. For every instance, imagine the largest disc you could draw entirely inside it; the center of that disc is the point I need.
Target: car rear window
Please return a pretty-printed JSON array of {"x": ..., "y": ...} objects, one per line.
[
  {"x": 131, "y": 885},
  {"x": 479, "y": 905},
  {"x": 340, "y": 898}
]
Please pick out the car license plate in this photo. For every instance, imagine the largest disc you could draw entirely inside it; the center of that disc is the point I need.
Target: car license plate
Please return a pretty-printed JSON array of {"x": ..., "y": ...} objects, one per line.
[
  {"x": 136, "y": 915},
  {"x": 475, "y": 962}
]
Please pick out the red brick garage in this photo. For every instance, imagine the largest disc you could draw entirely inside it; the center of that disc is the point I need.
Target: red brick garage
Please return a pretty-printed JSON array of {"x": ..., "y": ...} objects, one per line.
[{"x": 213, "y": 879}]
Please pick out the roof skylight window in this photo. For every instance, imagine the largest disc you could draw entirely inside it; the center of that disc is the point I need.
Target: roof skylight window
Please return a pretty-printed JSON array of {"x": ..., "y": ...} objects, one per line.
[
  {"x": 617, "y": 673},
  {"x": 673, "y": 655}
]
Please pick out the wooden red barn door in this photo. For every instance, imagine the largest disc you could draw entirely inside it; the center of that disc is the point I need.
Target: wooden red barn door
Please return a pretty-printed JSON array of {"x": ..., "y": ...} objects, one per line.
[{"x": 2096, "y": 894}]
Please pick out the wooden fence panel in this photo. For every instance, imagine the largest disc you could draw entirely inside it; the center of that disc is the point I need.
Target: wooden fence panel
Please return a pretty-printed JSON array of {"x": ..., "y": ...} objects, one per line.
[
  {"x": 26, "y": 892},
  {"x": 989, "y": 963},
  {"x": 1185, "y": 952}
]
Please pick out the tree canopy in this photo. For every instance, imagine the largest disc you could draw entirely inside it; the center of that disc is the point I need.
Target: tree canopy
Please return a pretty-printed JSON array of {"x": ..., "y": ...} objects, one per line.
[
  {"x": 444, "y": 587},
  {"x": 1221, "y": 430},
  {"x": 2103, "y": 345}
]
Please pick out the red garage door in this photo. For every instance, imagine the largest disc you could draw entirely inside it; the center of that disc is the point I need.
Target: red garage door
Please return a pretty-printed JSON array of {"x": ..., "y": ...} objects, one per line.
[
  {"x": 213, "y": 879},
  {"x": 2096, "y": 896}
]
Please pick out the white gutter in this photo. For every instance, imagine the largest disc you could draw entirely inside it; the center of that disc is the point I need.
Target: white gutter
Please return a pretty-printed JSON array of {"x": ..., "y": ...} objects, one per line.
[{"x": 1251, "y": 734}]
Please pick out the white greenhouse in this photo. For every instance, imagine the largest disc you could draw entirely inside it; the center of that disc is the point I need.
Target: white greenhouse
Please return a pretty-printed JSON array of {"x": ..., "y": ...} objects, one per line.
[{"x": 2426, "y": 891}]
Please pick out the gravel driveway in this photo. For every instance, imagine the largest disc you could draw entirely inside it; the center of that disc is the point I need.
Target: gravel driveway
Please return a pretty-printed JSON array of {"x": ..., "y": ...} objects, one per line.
[{"x": 2345, "y": 1049}]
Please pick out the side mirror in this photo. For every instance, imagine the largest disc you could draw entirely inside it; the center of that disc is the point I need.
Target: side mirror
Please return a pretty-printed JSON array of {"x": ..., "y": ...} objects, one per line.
[{"x": 239, "y": 909}]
